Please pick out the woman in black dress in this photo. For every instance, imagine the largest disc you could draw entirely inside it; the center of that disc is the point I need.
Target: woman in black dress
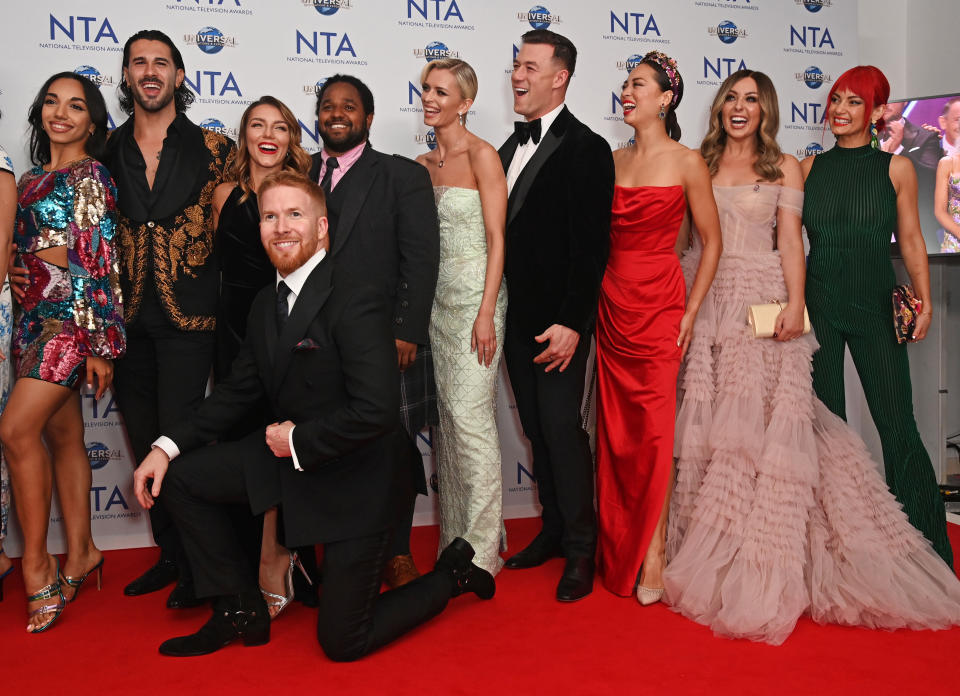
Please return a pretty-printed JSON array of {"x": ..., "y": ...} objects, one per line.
[{"x": 268, "y": 142}]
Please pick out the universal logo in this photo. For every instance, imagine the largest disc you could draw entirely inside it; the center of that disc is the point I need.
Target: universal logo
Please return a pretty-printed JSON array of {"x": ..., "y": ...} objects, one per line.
[
  {"x": 630, "y": 63},
  {"x": 539, "y": 17},
  {"x": 814, "y": 5},
  {"x": 809, "y": 150},
  {"x": 429, "y": 139},
  {"x": 813, "y": 77},
  {"x": 210, "y": 40},
  {"x": 314, "y": 89},
  {"x": 327, "y": 7},
  {"x": 435, "y": 50},
  {"x": 726, "y": 31},
  {"x": 100, "y": 455},
  {"x": 92, "y": 74},
  {"x": 216, "y": 125}
]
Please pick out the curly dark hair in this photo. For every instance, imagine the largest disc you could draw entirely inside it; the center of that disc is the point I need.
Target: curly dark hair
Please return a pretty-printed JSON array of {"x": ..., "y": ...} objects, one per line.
[
  {"x": 96, "y": 107},
  {"x": 366, "y": 96},
  {"x": 183, "y": 97}
]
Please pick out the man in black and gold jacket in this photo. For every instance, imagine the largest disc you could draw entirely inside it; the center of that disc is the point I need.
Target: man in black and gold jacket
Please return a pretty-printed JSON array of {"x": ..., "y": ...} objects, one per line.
[{"x": 166, "y": 169}]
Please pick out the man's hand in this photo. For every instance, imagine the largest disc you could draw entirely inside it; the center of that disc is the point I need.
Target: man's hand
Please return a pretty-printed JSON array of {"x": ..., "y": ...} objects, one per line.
[
  {"x": 561, "y": 345},
  {"x": 278, "y": 438},
  {"x": 406, "y": 353},
  {"x": 894, "y": 133},
  {"x": 154, "y": 466}
]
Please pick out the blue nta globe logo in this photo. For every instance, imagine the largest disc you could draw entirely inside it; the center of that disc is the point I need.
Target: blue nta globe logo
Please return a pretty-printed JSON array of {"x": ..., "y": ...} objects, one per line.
[
  {"x": 539, "y": 17},
  {"x": 727, "y": 32},
  {"x": 210, "y": 40},
  {"x": 813, "y": 77},
  {"x": 98, "y": 454}
]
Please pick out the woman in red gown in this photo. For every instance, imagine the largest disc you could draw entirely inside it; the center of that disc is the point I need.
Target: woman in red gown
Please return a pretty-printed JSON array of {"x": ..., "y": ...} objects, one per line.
[{"x": 644, "y": 326}]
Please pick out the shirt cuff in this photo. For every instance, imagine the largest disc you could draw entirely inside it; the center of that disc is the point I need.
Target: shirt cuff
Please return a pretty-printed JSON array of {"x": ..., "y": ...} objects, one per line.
[
  {"x": 168, "y": 446},
  {"x": 293, "y": 452}
]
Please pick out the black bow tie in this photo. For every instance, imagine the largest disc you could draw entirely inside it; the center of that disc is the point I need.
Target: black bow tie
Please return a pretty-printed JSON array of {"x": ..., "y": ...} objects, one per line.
[{"x": 525, "y": 130}]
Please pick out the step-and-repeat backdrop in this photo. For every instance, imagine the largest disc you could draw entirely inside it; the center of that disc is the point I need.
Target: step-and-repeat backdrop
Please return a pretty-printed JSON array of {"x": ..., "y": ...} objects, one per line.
[{"x": 238, "y": 50}]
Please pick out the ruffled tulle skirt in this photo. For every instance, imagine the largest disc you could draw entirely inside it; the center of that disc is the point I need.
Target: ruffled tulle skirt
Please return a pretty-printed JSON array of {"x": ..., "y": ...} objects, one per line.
[{"x": 778, "y": 508}]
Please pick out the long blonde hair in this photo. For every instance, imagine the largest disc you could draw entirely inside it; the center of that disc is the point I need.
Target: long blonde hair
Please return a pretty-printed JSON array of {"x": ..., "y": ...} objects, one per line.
[
  {"x": 297, "y": 159},
  {"x": 767, "y": 165}
]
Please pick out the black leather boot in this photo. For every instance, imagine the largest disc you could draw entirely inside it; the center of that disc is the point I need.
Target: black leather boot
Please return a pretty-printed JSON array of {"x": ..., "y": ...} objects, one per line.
[
  {"x": 467, "y": 577},
  {"x": 245, "y": 617}
]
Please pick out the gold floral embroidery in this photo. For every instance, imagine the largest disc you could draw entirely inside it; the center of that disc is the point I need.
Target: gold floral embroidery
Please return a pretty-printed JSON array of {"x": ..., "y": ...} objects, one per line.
[{"x": 179, "y": 251}]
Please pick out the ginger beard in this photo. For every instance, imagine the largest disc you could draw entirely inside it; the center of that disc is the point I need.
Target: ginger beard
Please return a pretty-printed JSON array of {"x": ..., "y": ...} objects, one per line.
[{"x": 292, "y": 227}]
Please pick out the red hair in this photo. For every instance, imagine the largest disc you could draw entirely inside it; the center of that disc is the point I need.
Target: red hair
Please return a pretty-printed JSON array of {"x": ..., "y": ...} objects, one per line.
[{"x": 868, "y": 83}]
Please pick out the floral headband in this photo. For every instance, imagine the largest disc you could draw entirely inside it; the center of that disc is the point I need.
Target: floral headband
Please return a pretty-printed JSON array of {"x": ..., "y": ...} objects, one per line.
[{"x": 669, "y": 66}]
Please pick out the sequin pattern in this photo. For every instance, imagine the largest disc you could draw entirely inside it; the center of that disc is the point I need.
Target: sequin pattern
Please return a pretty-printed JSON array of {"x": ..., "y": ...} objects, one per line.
[
  {"x": 67, "y": 314},
  {"x": 950, "y": 243}
]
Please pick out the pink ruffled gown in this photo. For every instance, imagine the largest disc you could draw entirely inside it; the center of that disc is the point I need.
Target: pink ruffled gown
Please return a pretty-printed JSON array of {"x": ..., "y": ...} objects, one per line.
[{"x": 778, "y": 508}]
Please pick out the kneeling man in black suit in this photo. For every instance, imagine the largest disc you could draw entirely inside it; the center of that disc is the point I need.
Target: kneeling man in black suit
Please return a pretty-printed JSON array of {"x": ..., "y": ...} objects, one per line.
[{"x": 335, "y": 461}]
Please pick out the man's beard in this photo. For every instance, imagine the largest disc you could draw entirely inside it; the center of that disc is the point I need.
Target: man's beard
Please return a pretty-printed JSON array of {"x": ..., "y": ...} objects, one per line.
[
  {"x": 353, "y": 138},
  {"x": 288, "y": 264},
  {"x": 158, "y": 105}
]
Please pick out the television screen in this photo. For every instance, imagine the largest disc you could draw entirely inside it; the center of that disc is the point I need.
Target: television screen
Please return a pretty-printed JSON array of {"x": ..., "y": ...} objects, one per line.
[{"x": 927, "y": 131}]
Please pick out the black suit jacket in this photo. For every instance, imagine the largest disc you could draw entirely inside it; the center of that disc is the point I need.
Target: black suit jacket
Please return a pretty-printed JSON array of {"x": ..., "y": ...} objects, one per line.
[
  {"x": 921, "y": 146},
  {"x": 383, "y": 227},
  {"x": 333, "y": 372},
  {"x": 558, "y": 228}
]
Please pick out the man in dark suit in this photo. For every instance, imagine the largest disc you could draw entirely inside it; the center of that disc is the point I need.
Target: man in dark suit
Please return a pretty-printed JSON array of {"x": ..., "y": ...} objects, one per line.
[
  {"x": 922, "y": 147},
  {"x": 383, "y": 227},
  {"x": 335, "y": 460},
  {"x": 560, "y": 175},
  {"x": 166, "y": 169}
]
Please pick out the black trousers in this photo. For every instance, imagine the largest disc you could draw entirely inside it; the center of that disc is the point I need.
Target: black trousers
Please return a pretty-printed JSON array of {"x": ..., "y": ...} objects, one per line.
[
  {"x": 161, "y": 379},
  {"x": 548, "y": 404},
  {"x": 354, "y": 618}
]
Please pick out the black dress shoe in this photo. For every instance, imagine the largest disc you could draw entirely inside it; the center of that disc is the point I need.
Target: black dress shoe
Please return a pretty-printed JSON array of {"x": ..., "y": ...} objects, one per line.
[
  {"x": 456, "y": 560},
  {"x": 183, "y": 596},
  {"x": 232, "y": 619},
  {"x": 157, "y": 576},
  {"x": 538, "y": 552},
  {"x": 577, "y": 580}
]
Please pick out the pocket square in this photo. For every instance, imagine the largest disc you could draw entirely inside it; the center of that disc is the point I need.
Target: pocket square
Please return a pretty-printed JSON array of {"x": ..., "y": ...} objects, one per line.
[{"x": 307, "y": 344}]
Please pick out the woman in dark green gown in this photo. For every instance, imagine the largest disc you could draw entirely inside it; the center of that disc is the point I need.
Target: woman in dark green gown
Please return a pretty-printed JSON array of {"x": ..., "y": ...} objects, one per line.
[{"x": 856, "y": 198}]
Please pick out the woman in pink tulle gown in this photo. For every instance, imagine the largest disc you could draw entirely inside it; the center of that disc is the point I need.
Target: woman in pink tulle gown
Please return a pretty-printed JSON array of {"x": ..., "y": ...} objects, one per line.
[{"x": 778, "y": 508}]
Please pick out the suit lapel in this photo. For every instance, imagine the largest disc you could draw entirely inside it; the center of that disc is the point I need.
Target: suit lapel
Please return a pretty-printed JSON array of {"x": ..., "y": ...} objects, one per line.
[
  {"x": 548, "y": 145},
  {"x": 309, "y": 302},
  {"x": 357, "y": 181},
  {"x": 506, "y": 152}
]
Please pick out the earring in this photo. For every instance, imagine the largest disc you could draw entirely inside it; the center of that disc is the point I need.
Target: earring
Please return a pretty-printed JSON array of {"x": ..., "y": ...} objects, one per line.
[
  {"x": 874, "y": 141},
  {"x": 462, "y": 118},
  {"x": 663, "y": 114}
]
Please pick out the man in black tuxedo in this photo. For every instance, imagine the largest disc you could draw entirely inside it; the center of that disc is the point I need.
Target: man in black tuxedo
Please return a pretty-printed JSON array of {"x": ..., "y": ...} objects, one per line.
[
  {"x": 560, "y": 175},
  {"x": 335, "y": 460},
  {"x": 383, "y": 227}
]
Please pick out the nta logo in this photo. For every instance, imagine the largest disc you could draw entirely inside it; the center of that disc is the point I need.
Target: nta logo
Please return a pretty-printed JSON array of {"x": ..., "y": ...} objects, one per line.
[
  {"x": 94, "y": 30},
  {"x": 210, "y": 40},
  {"x": 539, "y": 17},
  {"x": 92, "y": 74},
  {"x": 813, "y": 77},
  {"x": 327, "y": 7},
  {"x": 443, "y": 10},
  {"x": 726, "y": 31}
]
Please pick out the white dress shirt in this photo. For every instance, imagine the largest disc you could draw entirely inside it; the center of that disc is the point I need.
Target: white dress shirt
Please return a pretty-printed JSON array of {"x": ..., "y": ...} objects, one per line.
[
  {"x": 525, "y": 152},
  {"x": 294, "y": 280}
]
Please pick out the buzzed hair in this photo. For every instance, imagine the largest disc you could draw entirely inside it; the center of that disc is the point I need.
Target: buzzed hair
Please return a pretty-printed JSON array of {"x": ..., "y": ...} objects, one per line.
[
  {"x": 298, "y": 181},
  {"x": 563, "y": 48}
]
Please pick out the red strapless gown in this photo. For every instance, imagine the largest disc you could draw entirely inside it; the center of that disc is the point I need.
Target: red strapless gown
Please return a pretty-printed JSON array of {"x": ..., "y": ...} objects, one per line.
[{"x": 642, "y": 300}]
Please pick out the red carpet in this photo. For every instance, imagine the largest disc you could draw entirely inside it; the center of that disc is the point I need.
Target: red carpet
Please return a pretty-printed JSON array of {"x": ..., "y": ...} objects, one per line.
[{"x": 521, "y": 642}]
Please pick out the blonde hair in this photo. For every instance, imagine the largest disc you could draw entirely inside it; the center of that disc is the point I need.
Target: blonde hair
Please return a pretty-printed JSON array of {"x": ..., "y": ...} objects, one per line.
[
  {"x": 767, "y": 165},
  {"x": 462, "y": 72},
  {"x": 297, "y": 159}
]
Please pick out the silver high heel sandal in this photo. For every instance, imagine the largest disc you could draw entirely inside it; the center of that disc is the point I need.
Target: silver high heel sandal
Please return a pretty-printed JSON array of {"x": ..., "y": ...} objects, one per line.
[
  {"x": 280, "y": 602},
  {"x": 647, "y": 595}
]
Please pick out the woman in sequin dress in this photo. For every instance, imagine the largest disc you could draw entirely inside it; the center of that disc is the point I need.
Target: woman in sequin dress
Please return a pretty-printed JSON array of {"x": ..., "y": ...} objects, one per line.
[
  {"x": 946, "y": 203},
  {"x": 68, "y": 328},
  {"x": 469, "y": 308},
  {"x": 8, "y": 211}
]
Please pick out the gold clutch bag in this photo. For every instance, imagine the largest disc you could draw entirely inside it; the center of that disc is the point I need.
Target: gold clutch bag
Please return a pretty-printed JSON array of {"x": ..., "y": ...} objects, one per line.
[{"x": 762, "y": 319}]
